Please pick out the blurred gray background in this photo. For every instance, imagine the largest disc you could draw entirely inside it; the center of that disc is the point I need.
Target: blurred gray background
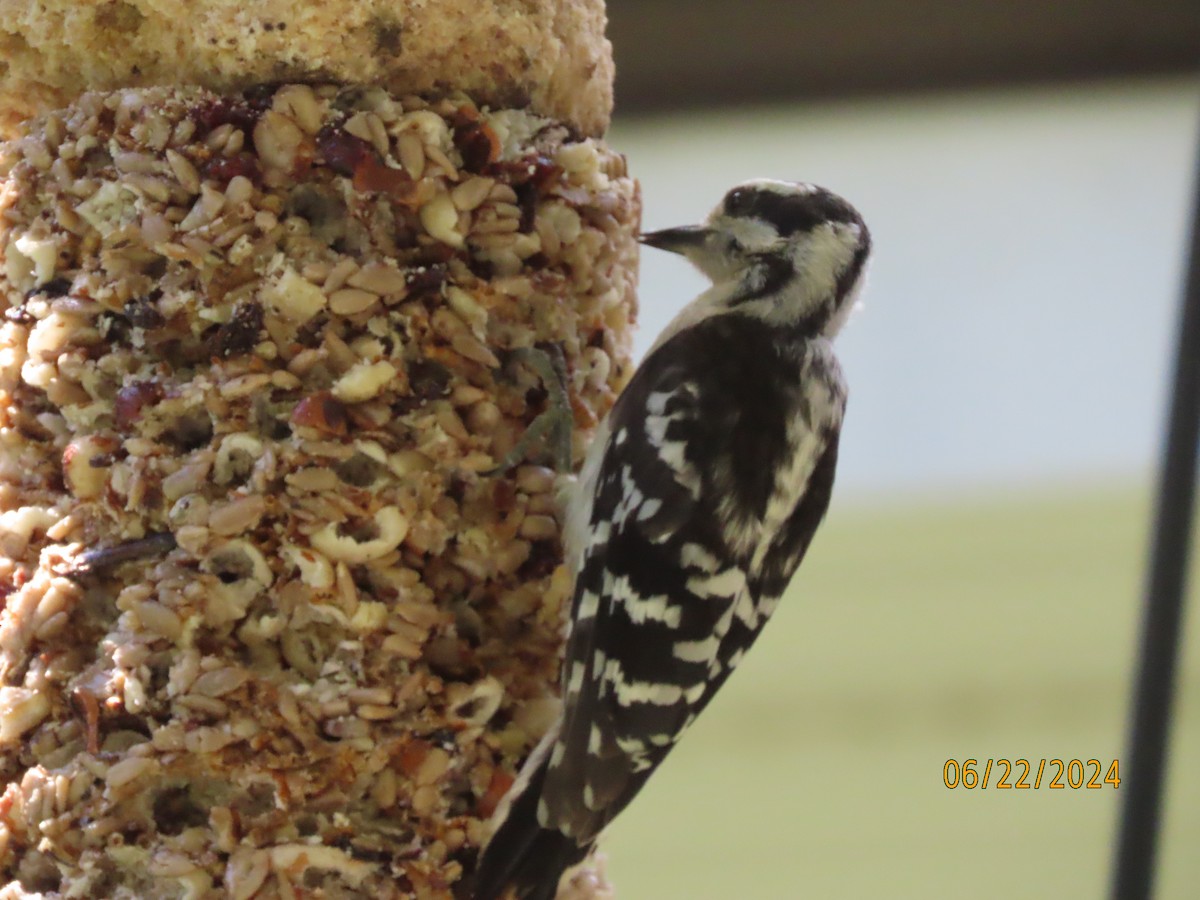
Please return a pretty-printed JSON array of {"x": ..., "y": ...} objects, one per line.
[{"x": 1027, "y": 175}]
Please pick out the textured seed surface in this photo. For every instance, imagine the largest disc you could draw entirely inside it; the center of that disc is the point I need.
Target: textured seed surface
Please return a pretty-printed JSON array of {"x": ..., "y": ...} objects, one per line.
[{"x": 254, "y": 587}]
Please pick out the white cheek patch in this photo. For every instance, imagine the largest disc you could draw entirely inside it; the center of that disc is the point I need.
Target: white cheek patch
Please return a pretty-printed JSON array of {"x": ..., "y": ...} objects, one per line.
[
  {"x": 754, "y": 235},
  {"x": 823, "y": 256}
]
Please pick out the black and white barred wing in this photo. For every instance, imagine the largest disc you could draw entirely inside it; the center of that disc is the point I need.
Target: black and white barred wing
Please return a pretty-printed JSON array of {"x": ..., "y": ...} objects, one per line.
[
  {"x": 643, "y": 638},
  {"x": 712, "y": 485},
  {"x": 668, "y": 595}
]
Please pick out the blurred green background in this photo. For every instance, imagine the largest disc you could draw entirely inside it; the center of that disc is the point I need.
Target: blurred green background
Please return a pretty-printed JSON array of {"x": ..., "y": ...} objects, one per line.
[{"x": 976, "y": 588}]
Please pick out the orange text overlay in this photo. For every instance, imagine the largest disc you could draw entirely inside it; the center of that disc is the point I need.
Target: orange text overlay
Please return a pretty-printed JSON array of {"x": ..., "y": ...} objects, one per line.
[{"x": 1026, "y": 774}]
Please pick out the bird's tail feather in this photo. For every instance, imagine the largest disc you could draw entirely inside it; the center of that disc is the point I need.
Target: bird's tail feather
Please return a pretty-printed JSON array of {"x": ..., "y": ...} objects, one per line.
[{"x": 524, "y": 855}]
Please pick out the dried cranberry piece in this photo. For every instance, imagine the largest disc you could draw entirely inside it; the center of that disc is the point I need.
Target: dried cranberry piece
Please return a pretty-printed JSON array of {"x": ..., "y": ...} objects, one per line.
[
  {"x": 342, "y": 151},
  {"x": 544, "y": 558},
  {"x": 527, "y": 199},
  {"x": 425, "y": 279},
  {"x": 535, "y": 170},
  {"x": 323, "y": 412},
  {"x": 223, "y": 169},
  {"x": 142, "y": 312},
  {"x": 133, "y": 399},
  {"x": 543, "y": 174},
  {"x": 412, "y": 754},
  {"x": 482, "y": 268},
  {"x": 531, "y": 177},
  {"x": 240, "y": 333},
  {"x": 478, "y": 145},
  {"x": 504, "y": 495},
  {"x": 372, "y": 175},
  {"x": 216, "y": 113}
]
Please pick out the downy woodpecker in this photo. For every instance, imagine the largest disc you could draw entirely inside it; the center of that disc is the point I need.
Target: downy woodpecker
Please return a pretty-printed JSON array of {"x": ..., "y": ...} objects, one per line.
[{"x": 694, "y": 506}]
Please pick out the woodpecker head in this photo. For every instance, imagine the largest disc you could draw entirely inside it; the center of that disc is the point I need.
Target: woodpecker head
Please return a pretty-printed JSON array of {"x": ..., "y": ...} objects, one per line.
[{"x": 791, "y": 253}]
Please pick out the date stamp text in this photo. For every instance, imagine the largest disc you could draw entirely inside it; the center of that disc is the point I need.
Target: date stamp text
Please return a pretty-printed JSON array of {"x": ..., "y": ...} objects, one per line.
[{"x": 1023, "y": 774}]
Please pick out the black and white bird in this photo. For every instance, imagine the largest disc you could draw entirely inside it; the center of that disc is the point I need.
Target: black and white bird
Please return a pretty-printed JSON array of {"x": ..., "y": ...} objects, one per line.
[{"x": 694, "y": 506}]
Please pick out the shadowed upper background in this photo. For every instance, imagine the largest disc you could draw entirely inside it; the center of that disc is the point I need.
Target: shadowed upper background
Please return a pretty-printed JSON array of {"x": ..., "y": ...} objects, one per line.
[{"x": 693, "y": 54}]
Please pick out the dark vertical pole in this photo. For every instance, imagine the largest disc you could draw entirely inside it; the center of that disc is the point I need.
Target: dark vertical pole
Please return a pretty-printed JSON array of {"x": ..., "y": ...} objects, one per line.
[{"x": 1166, "y": 583}]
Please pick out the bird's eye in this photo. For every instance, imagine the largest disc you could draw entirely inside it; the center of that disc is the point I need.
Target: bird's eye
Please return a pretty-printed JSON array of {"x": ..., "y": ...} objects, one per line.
[{"x": 738, "y": 202}]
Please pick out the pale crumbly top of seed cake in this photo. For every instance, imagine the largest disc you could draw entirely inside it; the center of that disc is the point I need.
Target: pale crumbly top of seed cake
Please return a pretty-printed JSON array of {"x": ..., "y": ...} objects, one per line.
[
  {"x": 548, "y": 55},
  {"x": 269, "y": 623}
]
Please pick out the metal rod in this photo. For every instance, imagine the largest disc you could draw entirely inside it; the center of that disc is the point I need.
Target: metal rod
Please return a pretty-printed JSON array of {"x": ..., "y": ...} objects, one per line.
[{"x": 1166, "y": 584}]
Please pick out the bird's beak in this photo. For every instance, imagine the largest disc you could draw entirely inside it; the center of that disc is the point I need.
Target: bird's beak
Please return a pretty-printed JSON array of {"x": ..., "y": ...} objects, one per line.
[{"x": 676, "y": 240}]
